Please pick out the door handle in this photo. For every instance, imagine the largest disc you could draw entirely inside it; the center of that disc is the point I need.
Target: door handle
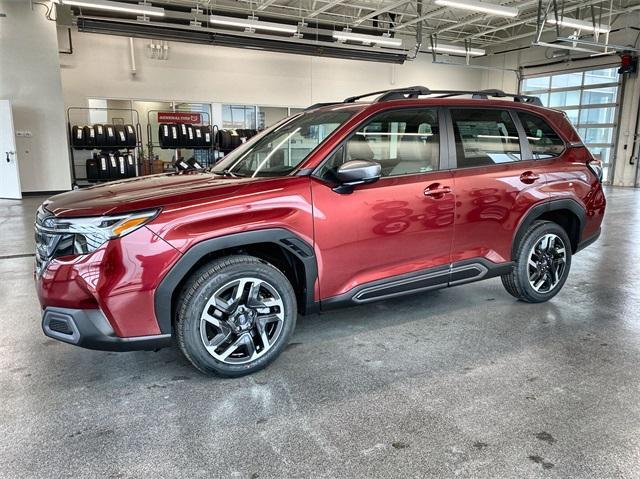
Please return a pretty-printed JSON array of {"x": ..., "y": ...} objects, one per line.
[
  {"x": 436, "y": 190},
  {"x": 529, "y": 177}
]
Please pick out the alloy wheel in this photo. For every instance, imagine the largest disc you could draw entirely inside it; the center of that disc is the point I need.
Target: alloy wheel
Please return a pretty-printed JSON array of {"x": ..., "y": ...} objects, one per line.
[
  {"x": 242, "y": 320},
  {"x": 547, "y": 263}
]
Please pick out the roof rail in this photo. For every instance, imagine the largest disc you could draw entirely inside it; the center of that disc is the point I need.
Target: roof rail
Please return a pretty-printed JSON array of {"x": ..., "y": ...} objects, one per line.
[
  {"x": 416, "y": 91},
  {"x": 395, "y": 94},
  {"x": 320, "y": 105},
  {"x": 485, "y": 94}
]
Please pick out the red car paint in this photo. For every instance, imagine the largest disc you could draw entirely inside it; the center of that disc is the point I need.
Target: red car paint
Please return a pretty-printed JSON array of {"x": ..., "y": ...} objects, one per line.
[
  {"x": 119, "y": 278},
  {"x": 381, "y": 230}
]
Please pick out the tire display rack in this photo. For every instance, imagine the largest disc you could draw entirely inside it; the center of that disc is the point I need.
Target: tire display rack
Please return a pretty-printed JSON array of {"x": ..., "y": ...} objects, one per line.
[
  {"x": 205, "y": 153},
  {"x": 78, "y": 160}
]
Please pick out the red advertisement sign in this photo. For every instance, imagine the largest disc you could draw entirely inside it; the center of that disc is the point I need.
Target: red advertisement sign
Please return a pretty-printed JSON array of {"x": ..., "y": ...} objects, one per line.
[{"x": 179, "y": 117}]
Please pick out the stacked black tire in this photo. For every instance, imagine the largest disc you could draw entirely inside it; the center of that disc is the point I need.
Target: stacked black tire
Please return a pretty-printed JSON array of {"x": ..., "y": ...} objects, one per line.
[
  {"x": 111, "y": 165},
  {"x": 113, "y": 146},
  {"x": 228, "y": 139},
  {"x": 185, "y": 135},
  {"x": 102, "y": 137}
]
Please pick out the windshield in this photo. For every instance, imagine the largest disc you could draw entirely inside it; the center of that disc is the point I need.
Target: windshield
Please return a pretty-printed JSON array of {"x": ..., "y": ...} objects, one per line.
[{"x": 278, "y": 151}]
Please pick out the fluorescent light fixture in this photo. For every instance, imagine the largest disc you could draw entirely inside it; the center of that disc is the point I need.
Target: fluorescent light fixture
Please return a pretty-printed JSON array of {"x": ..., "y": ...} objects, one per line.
[
  {"x": 367, "y": 39},
  {"x": 489, "y": 8},
  {"x": 579, "y": 24},
  {"x": 443, "y": 48},
  {"x": 117, "y": 7},
  {"x": 564, "y": 47},
  {"x": 252, "y": 23}
]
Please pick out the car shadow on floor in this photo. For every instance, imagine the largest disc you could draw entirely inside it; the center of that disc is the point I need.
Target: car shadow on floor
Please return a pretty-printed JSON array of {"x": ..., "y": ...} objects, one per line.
[{"x": 441, "y": 317}]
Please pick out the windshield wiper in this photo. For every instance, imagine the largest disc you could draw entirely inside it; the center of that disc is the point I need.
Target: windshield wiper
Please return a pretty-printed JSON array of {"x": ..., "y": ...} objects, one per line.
[{"x": 228, "y": 172}]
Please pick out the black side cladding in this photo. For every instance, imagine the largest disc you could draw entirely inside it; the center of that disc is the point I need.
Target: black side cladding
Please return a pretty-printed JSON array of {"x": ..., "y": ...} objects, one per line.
[
  {"x": 547, "y": 207},
  {"x": 280, "y": 236}
]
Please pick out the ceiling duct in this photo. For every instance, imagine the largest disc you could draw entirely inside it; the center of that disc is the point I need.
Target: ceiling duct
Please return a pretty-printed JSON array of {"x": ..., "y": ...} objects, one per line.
[{"x": 177, "y": 33}]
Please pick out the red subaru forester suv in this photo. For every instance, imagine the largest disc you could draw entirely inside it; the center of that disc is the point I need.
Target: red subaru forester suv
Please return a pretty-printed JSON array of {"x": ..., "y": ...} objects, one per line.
[{"x": 345, "y": 203}]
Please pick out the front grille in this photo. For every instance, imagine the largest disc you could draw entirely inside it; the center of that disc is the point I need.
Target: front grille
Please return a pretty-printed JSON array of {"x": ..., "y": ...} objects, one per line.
[{"x": 60, "y": 326}]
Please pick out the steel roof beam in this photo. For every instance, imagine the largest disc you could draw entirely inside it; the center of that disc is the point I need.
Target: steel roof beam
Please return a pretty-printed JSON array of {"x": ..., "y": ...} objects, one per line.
[
  {"x": 484, "y": 17},
  {"x": 324, "y": 8},
  {"x": 524, "y": 21},
  {"x": 265, "y": 4},
  {"x": 380, "y": 11}
]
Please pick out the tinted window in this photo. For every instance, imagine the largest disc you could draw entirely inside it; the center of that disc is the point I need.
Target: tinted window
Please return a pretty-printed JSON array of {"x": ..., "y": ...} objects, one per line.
[
  {"x": 484, "y": 137},
  {"x": 543, "y": 140},
  {"x": 403, "y": 142}
]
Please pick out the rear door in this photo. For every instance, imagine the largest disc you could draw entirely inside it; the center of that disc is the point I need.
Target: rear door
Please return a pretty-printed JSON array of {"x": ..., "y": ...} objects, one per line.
[
  {"x": 401, "y": 224},
  {"x": 496, "y": 181}
]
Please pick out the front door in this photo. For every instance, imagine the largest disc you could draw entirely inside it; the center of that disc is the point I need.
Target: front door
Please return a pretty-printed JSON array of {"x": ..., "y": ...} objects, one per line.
[
  {"x": 401, "y": 224},
  {"x": 9, "y": 174}
]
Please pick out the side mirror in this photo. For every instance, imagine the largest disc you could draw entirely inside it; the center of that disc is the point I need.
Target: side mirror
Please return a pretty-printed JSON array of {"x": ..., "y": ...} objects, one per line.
[{"x": 357, "y": 172}]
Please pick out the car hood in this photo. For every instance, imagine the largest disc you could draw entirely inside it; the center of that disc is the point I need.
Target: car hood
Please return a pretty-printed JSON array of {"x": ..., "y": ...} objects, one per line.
[{"x": 143, "y": 193}]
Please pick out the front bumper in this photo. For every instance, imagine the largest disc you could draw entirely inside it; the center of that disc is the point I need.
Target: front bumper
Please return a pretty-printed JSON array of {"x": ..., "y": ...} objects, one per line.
[
  {"x": 89, "y": 328},
  {"x": 119, "y": 279}
]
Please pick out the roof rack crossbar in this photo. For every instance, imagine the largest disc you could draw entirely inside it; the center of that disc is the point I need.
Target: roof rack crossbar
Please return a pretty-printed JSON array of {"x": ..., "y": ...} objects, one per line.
[
  {"x": 394, "y": 94},
  {"x": 485, "y": 94}
]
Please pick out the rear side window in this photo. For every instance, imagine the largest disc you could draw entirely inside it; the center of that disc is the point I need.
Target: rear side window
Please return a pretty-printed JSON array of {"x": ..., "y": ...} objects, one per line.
[
  {"x": 484, "y": 137},
  {"x": 543, "y": 140}
]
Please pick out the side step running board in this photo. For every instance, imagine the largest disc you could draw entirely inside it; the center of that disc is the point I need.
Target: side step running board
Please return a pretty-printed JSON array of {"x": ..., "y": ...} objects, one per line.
[{"x": 424, "y": 282}]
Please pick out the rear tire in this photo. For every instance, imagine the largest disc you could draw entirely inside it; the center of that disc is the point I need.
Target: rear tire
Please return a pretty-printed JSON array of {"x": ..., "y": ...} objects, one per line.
[
  {"x": 542, "y": 263},
  {"x": 235, "y": 315}
]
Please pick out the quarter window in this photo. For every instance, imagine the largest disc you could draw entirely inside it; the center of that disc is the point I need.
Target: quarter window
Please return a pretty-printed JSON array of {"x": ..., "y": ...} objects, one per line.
[
  {"x": 543, "y": 140},
  {"x": 484, "y": 137}
]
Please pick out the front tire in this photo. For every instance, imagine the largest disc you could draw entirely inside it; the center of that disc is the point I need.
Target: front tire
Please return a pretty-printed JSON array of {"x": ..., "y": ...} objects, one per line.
[
  {"x": 543, "y": 261},
  {"x": 235, "y": 315}
]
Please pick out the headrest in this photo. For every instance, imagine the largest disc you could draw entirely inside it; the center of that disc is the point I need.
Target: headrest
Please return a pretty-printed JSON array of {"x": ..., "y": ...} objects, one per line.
[
  {"x": 414, "y": 148},
  {"x": 358, "y": 148}
]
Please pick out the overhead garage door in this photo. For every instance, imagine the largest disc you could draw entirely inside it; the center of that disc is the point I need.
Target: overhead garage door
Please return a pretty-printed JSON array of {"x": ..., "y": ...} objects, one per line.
[{"x": 591, "y": 99}]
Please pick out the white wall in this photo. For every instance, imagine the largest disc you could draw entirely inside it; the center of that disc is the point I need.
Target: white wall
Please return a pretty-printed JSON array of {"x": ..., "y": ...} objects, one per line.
[
  {"x": 30, "y": 78},
  {"x": 100, "y": 67},
  {"x": 624, "y": 173}
]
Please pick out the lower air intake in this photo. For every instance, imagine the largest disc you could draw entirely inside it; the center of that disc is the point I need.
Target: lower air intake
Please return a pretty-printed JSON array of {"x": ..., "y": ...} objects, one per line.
[{"x": 60, "y": 326}]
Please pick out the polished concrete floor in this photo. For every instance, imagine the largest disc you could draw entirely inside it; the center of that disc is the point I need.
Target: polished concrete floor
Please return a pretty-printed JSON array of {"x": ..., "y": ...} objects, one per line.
[{"x": 460, "y": 382}]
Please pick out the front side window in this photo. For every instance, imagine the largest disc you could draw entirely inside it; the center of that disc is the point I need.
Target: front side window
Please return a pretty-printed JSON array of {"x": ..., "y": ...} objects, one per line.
[
  {"x": 484, "y": 137},
  {"x": 404, "y": 142},
  {"x": 543, "y": 140},
  {"x": 279, "y": 150}
]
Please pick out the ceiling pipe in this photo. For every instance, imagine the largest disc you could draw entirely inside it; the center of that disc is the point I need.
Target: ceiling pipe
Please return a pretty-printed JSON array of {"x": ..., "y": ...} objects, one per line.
[
  {"x": 413, "y": 55},
  {"x": 132, "y": 54},
  {"x": 210, "y": 36}
]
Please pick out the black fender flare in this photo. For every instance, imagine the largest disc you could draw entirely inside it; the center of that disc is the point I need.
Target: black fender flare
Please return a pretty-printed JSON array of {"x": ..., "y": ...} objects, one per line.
[
  {"x": 538, "y": 210},
  {"x": 279, "y": 236}
]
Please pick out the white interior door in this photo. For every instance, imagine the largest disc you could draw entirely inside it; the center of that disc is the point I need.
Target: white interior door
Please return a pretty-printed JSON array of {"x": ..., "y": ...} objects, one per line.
[{"x": 9, "y": 173}]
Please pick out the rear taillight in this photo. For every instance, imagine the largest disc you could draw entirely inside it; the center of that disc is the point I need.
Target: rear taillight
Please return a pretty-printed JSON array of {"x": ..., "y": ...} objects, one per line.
[{"x": 596, "y": 167}]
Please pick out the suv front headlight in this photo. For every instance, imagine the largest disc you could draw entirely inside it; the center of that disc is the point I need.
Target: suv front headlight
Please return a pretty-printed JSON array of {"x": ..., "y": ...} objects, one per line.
[{"x": 84, "y": 235}]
